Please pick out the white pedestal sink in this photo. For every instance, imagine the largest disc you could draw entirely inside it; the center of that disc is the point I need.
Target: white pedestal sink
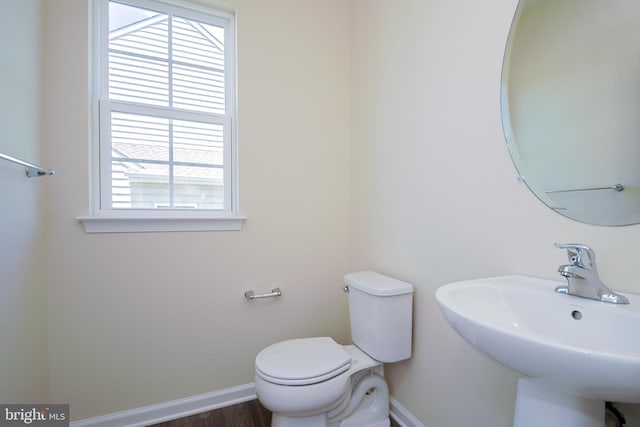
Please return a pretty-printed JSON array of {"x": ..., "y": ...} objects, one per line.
[{"x": 572, "y": 353}]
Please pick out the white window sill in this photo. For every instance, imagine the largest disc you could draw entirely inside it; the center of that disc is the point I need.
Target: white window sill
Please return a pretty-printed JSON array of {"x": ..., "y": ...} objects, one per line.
[{"x": 159, "y": 224}]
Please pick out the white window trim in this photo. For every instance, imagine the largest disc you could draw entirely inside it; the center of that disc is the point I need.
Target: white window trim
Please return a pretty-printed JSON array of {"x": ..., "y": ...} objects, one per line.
[
  {"x": 159, "y": 224},
  {"x": 122, "y": 220}
]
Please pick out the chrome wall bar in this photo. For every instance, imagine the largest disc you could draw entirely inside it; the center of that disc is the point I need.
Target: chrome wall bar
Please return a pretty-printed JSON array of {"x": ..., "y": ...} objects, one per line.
[
  {"x": 614, "y": 187},
  {"x": 31, "y": 169},
  {"x": 250, "y": 295}
]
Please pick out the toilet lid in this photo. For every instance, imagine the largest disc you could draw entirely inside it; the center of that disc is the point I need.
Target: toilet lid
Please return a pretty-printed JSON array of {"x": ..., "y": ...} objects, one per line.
[{"x": 302, "y": 361}]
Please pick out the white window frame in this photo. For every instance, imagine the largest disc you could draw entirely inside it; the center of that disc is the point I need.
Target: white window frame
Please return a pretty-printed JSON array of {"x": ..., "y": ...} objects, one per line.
[{"x": 107, "y": 219}]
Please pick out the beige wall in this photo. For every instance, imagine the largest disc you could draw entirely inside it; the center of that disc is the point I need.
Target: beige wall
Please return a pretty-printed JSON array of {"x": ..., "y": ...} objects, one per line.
[
  {"x": 136, "y": 319},
  {"x": 23, "y": 338},
  {"x": 435, "y": 195}
]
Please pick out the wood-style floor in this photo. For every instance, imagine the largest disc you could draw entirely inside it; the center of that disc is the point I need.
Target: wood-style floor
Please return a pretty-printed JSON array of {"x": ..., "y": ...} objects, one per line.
[{"x": 248, "y": 414}]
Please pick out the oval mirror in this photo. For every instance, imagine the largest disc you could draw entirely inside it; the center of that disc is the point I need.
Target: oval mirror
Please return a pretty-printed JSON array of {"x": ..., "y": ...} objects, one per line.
[{"x": 571, "y": 106}]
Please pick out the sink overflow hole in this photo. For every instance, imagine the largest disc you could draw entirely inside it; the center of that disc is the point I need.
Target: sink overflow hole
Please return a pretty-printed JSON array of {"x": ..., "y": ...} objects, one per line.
[{"x": 576, "y": 314}]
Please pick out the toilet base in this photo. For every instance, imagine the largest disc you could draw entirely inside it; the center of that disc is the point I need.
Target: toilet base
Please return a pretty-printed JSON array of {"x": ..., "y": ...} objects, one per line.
[
  {"x": 319, "y": 420},
  {"x": 366, "y": 406},
  {"x": 384, "y": 423},
  {"x": 347, "y": 423}
]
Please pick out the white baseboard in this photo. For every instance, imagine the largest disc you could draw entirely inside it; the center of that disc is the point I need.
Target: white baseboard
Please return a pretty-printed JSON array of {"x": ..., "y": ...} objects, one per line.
[
  {"x": 401, "y": 415},
  {"x": 174, "y": 409},
  {"x": 154, "y": 414}
]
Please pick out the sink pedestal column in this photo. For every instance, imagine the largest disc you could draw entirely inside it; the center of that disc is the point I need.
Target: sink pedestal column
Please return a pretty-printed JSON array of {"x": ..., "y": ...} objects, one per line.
[{"x": 539, "y": 406}]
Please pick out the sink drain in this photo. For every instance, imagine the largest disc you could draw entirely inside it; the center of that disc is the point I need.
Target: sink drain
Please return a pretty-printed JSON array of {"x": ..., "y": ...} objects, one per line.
[{"x": 576, "y": 314}]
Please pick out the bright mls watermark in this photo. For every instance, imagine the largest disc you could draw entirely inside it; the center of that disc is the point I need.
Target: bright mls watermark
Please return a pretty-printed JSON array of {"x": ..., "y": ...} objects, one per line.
[{"x": 35, "y": 415}]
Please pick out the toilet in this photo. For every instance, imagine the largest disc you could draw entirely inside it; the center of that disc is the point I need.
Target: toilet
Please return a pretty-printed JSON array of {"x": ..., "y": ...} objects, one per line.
[{"x": 316, "y": 382}]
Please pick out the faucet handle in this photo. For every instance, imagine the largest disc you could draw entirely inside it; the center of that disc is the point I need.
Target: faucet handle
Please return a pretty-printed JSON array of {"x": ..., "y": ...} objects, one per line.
[{"x": 580, "y": 255}]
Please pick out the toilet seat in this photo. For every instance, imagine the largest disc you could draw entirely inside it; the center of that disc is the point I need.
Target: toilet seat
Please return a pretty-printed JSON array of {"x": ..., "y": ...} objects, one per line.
[{"x": 302, "y": 361}]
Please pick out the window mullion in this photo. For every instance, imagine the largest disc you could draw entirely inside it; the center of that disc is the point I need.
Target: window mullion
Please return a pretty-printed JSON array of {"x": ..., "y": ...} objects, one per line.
[
  {"x": 165, "y": 112},
  {"x": 170, "y": 59},
  {"x": 171, "y": 167}
]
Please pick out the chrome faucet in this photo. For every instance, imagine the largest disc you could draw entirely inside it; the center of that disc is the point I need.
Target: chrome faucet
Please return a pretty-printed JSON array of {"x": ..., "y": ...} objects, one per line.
[{"x": 582, "y": 275}]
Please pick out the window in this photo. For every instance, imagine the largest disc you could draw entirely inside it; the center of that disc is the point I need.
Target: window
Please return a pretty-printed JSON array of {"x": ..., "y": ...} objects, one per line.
[{"x": 165, "y": 112}]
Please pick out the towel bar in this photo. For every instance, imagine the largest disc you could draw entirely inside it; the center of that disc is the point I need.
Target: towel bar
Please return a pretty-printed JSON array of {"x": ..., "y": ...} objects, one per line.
[
  {"x": 31, "y": 169},
  {"x": 250, "y": 295}
]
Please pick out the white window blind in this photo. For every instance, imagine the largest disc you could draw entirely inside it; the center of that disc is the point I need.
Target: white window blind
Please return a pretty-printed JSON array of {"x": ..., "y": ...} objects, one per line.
[{"x": 166, "y": 109}]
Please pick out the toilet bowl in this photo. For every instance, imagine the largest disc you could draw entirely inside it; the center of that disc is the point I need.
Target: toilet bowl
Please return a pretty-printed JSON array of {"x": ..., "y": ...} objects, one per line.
[
  {"x": 325, "y": 400},
  {"x": 316, "y": 382}
]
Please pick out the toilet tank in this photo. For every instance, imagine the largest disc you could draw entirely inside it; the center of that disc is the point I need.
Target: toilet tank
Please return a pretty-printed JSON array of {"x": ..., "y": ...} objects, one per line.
[{"x": 380, "y": 311}]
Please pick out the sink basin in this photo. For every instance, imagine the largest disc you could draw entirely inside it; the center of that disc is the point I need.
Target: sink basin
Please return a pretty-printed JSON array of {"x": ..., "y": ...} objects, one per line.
[{"x": 565, "y": 348}]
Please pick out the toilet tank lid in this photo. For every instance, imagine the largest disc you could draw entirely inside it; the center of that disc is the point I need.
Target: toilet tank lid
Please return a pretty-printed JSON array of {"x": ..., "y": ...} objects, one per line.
[{"x": 378, "y": 284}]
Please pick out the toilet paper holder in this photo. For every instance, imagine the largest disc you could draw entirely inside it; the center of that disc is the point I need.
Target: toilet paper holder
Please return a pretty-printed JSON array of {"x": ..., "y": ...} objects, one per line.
[{"x": 250, "y": 295}]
